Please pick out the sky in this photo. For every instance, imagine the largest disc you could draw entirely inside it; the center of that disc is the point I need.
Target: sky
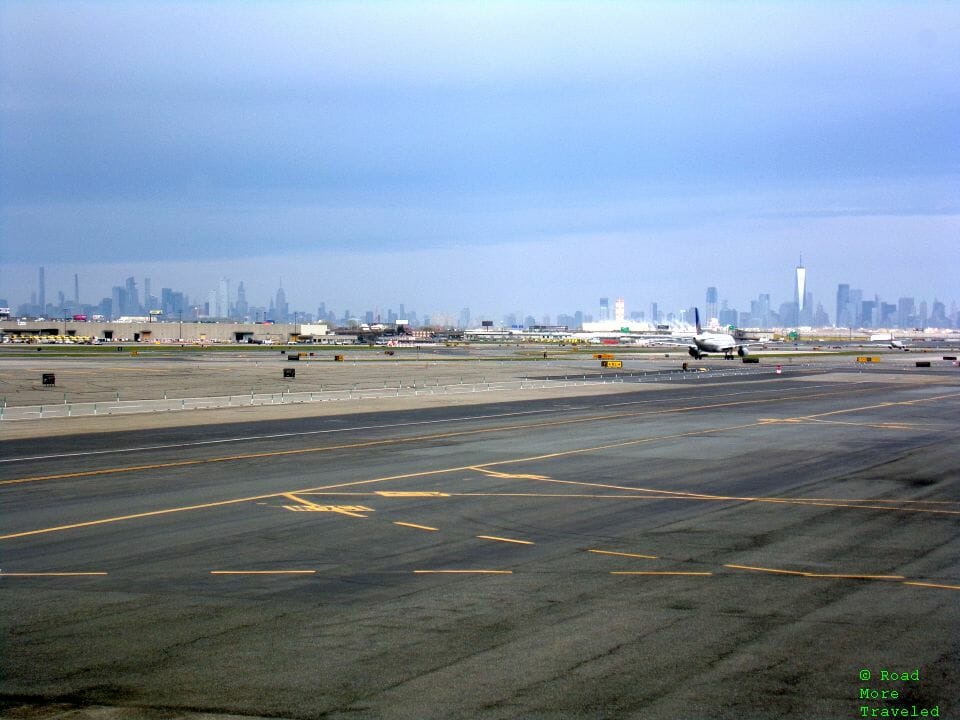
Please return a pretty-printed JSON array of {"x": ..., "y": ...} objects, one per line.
[{"x": 504, "y": 156}]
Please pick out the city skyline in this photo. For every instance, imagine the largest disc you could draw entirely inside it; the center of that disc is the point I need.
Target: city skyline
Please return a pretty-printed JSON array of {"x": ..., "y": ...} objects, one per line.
[
  {"x": 853, "y": 307},
  {"x": 507, "y": 155}
]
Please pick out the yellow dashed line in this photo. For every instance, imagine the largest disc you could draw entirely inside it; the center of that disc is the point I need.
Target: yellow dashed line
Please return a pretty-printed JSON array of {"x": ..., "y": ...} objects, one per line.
[
  {"x": 764, "y": 569},
  {"x": 417, "y": 527},
  {"x": 413, "y": 494},
  {"x": 932, "y": 585},
  {"x": 509, "y": 476},
  {"x": 841, "y": 576},
  {"x": 663, "y": 572},
  {"x": 262, "y": 572},
  {"x": 623, "y": 554},
  {"x": 480, "y": 431},
  {"x": 802, "y": 573},
  {"x": 463, "y": 572},
  {"x": 51, "y": 574},
  {"x": 506, "y": 540}
]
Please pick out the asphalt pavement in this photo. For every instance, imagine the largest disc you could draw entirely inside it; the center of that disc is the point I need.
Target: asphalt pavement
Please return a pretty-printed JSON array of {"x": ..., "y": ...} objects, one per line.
[{"x": 743, "y": 548}]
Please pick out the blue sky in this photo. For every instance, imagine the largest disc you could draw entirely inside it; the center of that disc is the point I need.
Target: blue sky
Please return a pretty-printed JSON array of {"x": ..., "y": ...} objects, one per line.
[{"x": 509, "y": 157}]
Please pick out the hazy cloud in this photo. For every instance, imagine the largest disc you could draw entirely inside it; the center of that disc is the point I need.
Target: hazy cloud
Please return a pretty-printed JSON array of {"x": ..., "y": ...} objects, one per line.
[{"x": 257, "y": 133}]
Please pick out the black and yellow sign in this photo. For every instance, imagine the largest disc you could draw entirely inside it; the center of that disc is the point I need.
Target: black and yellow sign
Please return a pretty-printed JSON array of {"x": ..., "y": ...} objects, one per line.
[{"x": 611, "y": 363}]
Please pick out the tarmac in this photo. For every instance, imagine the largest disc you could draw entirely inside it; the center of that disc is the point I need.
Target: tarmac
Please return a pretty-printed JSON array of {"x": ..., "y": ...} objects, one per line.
[{"x": 723, "y": 546}]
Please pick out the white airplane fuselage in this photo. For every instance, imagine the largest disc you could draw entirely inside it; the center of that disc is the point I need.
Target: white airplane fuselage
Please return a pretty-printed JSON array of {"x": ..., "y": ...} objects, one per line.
[{"x": 716, "y": 343}]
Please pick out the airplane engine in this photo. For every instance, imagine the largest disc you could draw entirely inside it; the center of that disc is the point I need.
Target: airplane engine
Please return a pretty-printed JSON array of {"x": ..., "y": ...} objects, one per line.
[
  {"x": 694, "y": 352},
  {"x": 742, "y": 350}
]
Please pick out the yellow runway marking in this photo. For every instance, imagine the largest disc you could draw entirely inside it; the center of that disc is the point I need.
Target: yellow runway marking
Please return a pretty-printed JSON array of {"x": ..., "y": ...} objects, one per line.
[
  {"x": 802, "y": 573},
  {"x": 623, "y": 554},
  {"x": 493, "y": 473},
  {"x": 300, "y": 500},
  {"x": 680, "y": 495},
  {"x": 405, "y": 494},
  {"x": 304, "y": 491},
  {"x": 307, "y": 506},
  {"x": 463, "y": 572},
  {"x": 351, "y": 510},
  {"x": 879, "y": 426},
  {"x": 662, "y": 572},
  {"x": 478, "y": 431},
  {"x": 187, "y": 508},
  {"x": 932, "y": 585},
  {"x": 764, "y": 569},
  {"x": 814, "y": 420},
  {"x": 506, "y": 540},
  {"x": 262, "y": 572},
  {"x": 649, "y": 494},
  {"x": 443, "y": 471},
  {"x": 50, "y": 574},
  {"x": 843, "y": 576},
  {"x": 417, "y": 527}
]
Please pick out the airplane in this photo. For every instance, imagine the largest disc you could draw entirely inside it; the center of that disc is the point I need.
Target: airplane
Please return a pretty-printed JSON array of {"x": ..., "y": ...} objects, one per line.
[
  {"x": 704, "y": 343},
  {"x": 890, "y": 341}
]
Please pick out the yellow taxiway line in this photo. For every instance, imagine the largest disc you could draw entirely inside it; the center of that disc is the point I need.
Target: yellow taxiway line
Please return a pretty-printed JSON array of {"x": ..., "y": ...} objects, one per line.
[
  {"x": 465, "y": 433},
  {"x": 463, "y": 572},
  {"x": 506, "y": 540},
  {"x": 623, "y": 554},
  {"x": 417, "y": 527},
  {"x": 51, "y": 574},
  {"x": 479, "y": 467},
  {"x": 660, "y": 572},
  {"x": 931, "y": 585},
  {"x": 263, "y": 572}
]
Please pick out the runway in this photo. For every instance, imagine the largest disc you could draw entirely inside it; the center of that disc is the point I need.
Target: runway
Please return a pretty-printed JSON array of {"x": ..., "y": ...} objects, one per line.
[{"x": 740, "y": 548}]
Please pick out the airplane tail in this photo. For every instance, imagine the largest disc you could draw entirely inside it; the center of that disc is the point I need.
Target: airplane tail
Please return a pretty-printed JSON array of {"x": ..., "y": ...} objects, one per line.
[{"x": 696, "y": 314}]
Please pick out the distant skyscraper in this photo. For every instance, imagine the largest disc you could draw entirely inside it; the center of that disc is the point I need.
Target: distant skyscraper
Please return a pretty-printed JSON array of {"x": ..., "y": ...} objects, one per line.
[
  {"x": 619, "y": 310},
  {"x": 242, "y": 308},
  {"x": 604, "y": 309},
  {"x": 76, "y": 289},
  {"x": 42, "y": 290},
  {"x": 760, "y": 310},
  {"x": 711, "y": 308},
  {"x": 281, "y": 309},
  {"x": 855, "y": 308},
  {"x": 222, "y": 309},
  {"x": 132, "y": 298},
  {"x": 800, "y": 293},
  {"x": 118, "y": 301},
  {"x": 842, "y": 318},
  {"x": 906, "y": 312}
]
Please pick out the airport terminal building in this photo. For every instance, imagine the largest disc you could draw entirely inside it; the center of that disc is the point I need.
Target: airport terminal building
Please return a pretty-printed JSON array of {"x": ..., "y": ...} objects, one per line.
[{"x": 144, "y": 331}]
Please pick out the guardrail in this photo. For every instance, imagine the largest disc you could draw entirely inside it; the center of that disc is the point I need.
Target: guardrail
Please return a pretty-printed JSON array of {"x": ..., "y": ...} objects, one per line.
[{"x": 355, "y": 392}]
